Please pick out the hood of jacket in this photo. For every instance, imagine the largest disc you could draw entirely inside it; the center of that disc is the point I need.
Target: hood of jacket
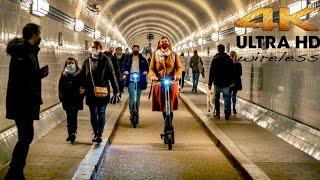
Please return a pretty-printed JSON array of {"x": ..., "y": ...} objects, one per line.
[{"x": 15, "y": 45}]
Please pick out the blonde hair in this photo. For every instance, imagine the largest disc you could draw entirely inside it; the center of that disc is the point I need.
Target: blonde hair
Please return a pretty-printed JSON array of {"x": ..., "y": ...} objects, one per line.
[{"x": 235, "y": 55}]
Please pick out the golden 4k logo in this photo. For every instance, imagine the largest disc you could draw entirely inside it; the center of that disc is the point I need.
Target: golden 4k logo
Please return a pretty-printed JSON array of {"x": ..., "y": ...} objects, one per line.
[{"x": 284, "y": 21}]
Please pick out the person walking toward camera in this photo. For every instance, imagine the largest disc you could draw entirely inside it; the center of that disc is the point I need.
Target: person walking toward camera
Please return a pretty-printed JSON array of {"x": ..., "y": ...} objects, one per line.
[{"x": 71, "y": 95}]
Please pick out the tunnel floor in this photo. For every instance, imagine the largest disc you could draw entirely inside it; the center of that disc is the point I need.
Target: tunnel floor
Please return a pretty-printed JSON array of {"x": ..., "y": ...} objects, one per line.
[{"x": 140, "y": 153}]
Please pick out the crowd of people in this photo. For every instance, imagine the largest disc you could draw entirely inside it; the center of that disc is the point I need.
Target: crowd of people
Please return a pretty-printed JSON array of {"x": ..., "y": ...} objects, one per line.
[{"x": 100, "y": 72}]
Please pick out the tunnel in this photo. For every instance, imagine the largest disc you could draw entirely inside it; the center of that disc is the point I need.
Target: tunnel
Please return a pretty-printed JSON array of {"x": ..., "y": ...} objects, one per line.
[{"x": 159, "y": 89}]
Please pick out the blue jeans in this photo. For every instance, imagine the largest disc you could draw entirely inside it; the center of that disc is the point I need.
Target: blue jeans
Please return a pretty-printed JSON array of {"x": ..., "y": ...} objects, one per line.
[
  {"x": 98, "y": 117},
  {"x": 131, "y": 96},
  {"x": 226, "y": 97},
  {"x": 195, "y": 79},
  {"x": 233, "y": 96}
]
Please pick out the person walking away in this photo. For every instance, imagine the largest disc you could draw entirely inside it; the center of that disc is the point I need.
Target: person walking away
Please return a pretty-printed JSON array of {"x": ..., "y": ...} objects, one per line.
[
  {"x": 23, "y": 98},
  {"x": 237, "y": 86},
  {"x": 135, "y": 63},
  {"x": 185, "y": 71},
  {"x": 71, "y": 96},
  {"x": 196, "y": 65},
  {"x": 221, "y": 74},
  {"x": 98, "y": 73}
]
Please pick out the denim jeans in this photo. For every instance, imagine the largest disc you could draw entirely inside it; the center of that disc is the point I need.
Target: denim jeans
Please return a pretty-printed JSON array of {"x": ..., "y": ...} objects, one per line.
[
  {"x": 195, "y": 80},
  {"x": 226, "y": 97},
  {"x": 131, "y": 96},
  {"x": 233, "y": 96},
  {"x": 98, "y": 117}
]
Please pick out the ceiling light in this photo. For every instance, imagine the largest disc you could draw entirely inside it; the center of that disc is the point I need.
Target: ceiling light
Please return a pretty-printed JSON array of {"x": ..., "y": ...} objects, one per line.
[
  {"x": 78, "y": 25},
  {"x": 40, "y": 7},
  {"x": 97, "y": 34}
]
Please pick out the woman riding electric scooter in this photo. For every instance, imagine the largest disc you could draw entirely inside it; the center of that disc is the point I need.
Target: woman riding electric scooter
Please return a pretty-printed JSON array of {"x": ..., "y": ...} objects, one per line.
[{"x": 165, "y": 66}]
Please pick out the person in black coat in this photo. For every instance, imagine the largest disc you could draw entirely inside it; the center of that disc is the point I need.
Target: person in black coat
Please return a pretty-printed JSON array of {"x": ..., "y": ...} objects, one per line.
[
  {"x": 97, "y": 71},
  {"x": 118, "y": 61},
  {"x": 237, "y": 84},
  {"x": 71, "y": 95},
  {"x": 221, "y": 73},
  {"x": 23, "y": 98}
]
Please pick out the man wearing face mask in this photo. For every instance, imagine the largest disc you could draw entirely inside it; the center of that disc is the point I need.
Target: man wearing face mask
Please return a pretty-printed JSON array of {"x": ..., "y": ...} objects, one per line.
[
  {"x": 135, "y": 63},
  {"x": 97, "y": 71},
  {"x": 117, "y": 61},
  {"x": 24, "y": 93}
]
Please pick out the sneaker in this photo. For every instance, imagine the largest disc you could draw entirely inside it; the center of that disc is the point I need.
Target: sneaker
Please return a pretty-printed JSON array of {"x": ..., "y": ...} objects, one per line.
[{"x": 99, "y": 140}]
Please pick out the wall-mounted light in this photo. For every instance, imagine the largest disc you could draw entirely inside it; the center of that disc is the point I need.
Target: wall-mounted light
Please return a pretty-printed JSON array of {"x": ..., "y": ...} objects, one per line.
[
  {"x": 108, "y": 39},
  {"x": 40, "y": 7},
  {"x": 240, "y": 31},
  {"x": 97, "y": 34},
  {"x": 78, "y": 25},
  {"x": 200, "y": 41},
  {"x": 216, "y": 37}
]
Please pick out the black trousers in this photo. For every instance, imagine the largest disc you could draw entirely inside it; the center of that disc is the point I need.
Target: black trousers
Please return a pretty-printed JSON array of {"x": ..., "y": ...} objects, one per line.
[
  {"x": 20, "y": 151},
  {"x": 181, "y": 81},
  {"x": 72, "y": 121}
]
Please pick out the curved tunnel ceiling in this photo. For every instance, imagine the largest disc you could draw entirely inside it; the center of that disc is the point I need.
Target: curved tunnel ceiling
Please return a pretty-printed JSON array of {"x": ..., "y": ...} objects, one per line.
[{"x": 176, "y": 19}]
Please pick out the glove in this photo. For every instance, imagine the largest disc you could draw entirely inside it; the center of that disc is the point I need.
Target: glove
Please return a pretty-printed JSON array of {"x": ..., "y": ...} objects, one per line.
[{"x": 115, "y": 99}]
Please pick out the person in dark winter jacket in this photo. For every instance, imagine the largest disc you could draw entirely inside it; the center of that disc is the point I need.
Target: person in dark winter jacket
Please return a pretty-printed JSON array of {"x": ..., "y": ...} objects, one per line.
[
  {"x": 71, "y": 95},
  {"x": 196, "y": 65},
  {"x": 221, "y": 73},
  {"x": 135, "y": 63},
  {"x": 237, "y": 85},
  {"x": 118, "y": 61},
  {"x": 97, "y": 71},
  {"x": 24, "y": 93}
]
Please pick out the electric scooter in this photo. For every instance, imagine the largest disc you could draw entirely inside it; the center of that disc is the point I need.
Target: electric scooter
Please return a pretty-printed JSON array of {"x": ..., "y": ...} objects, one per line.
[
  {"x": 135, "y": 114},
  {"x": 168, "y": 134}
]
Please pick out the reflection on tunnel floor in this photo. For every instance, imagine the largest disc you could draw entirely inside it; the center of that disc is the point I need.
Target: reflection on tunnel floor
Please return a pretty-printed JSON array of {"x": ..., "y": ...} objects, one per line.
[{"x": 140, "y": 154}]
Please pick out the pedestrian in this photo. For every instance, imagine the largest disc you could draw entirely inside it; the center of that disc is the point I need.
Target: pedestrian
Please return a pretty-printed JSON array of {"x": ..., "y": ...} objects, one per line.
[
  {"x": 98, "y": 73},
  {"x": 71, "y": 96},
  {"x": 221, "y": 74},
  {"x": 185, "y": 71},
  {"x": 237, "y": 86},
  {"x": 135, "y": 63},
  {"x": 118, "y": 61},
  {"x": 24, "y": 93},
  {"x": 196, "y": 65}
]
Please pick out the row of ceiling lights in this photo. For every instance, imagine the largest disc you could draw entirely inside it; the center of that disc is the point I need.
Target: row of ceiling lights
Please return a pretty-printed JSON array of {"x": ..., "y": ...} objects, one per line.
[
  {"x": 41, "y": 8},
  {"x": 215, "y": 37},
  {"x": 294, "y": 7}
]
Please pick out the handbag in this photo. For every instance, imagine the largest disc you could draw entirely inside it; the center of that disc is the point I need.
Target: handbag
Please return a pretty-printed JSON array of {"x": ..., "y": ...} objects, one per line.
[{"x": 99, "y": 92}]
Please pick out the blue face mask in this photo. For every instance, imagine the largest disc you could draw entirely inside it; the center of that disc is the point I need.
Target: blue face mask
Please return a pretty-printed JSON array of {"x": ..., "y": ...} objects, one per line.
[{"x": 70, "y": 69}]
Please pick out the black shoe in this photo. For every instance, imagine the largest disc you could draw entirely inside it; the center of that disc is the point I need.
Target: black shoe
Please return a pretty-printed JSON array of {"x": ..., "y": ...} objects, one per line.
[
  {"x": 16, "y": 175},
  {"x": 68, "y": 138},
  {"x": 227, "y": 114},
  {"x": 72, "y": 138},
  {"x": 217, "y": 115},
  {"x": 192, "y": 90},
  {"x": 99, "y": 139},
  {"x": 234, "y": 111}
]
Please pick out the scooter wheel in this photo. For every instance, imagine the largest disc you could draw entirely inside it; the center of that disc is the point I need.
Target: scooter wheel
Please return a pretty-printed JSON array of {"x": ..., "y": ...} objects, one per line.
[{"x": 170, "y": 141}]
